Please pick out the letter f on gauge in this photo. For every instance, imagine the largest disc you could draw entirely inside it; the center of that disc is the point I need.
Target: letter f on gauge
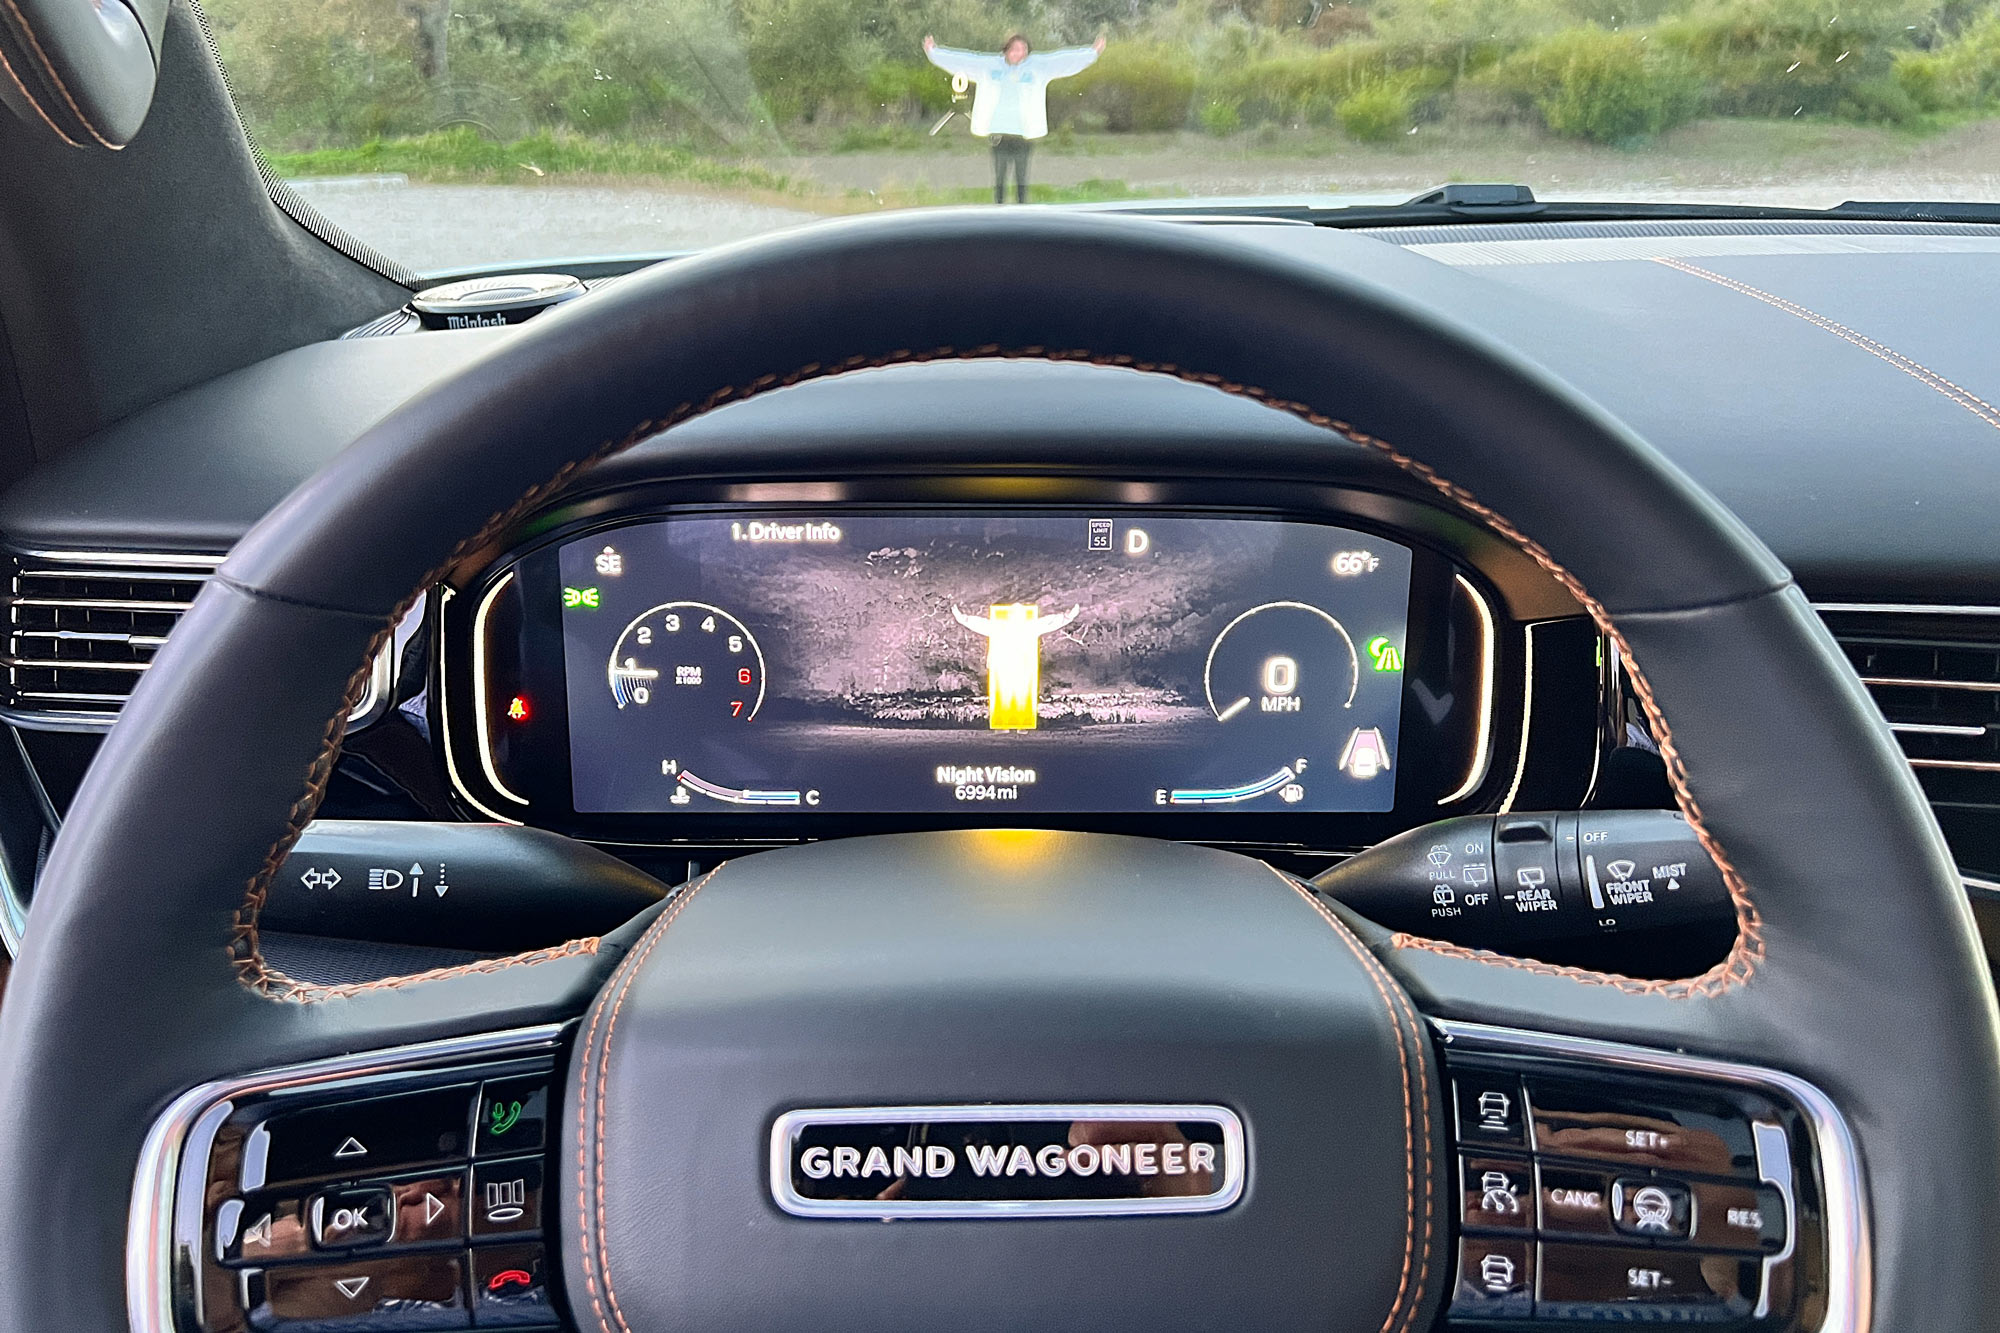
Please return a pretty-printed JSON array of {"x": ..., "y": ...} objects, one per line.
[{"x": 1014, "y": 633}]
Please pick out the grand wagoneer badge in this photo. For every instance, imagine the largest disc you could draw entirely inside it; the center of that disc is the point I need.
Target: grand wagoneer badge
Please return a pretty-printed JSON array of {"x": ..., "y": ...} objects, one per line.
[{"x": 1006, "y": 1161}]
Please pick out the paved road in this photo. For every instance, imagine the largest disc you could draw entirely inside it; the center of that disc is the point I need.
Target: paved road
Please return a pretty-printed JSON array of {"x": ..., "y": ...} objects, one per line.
[{"x": 432, "y": 227}]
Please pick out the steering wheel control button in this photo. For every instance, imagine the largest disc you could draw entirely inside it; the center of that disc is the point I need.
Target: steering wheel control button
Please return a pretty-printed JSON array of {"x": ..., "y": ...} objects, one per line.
[
  {"x": 1652, "y": 1209},
  {"x": 358, "y": 1215},
  {"x": 1574, "y": 1202},
  {"x": 1639, "y": 1128},
  {"x": 366, "y": 1137},
  {"x": 507, "y": 1197},
  {"x": 510, "y": 1287},
  {"x": 513, "y": 1116},
  {"x": 429, "y": 1209},
  {"x": 1490, "y": 1110},
  {"x": 258, "y": 1230},
  {"x": 1496, "y": 1278},
  {"x": 1496, "y": 1194},
  {"x": 1629, "y": 1285},
  {"x": 1738, "y": 1217},
  {"x": 410, "y": 1293}
]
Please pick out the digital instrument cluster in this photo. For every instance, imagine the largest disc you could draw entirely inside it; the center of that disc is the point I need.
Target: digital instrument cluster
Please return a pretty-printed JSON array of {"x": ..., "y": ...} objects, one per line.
[
  {"x": 715, "y": 673},
  {"x": 917, "y": 662}
]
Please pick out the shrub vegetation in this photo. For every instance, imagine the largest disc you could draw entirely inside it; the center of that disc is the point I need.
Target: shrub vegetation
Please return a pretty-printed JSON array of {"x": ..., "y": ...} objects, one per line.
[{"x": 715, "y": 77}]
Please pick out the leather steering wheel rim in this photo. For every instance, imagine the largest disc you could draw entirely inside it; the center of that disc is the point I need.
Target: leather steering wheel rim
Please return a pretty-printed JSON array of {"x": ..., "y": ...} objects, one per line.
[{"x": 1857, "y": 966}]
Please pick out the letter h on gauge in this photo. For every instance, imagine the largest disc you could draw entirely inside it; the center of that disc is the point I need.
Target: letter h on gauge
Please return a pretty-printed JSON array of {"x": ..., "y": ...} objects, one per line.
[{"x": 1014, "y": 633}]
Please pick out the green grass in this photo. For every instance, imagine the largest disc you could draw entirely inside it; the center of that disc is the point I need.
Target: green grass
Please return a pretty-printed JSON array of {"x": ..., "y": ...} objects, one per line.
[{"x": 464, "y": 155}]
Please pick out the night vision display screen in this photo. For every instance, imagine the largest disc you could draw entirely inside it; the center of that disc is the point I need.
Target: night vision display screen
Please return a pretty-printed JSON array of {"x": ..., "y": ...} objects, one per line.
[{"x": 775, "y": 662}]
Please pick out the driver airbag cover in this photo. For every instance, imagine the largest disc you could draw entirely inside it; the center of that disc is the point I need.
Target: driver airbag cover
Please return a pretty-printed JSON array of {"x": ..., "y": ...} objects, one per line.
[{"x": 996, "y": 967}]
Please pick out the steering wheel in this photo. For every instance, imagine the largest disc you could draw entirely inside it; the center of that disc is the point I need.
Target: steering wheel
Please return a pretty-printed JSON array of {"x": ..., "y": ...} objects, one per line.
[{"x": 973, "y": 968}]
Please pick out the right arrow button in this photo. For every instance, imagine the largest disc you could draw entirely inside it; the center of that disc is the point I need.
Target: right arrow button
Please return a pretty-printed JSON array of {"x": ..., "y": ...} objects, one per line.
[{"x": 430, "y": 1208}]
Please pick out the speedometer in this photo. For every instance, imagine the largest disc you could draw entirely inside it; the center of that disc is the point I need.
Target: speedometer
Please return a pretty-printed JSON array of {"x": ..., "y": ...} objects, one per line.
[{"x": 690, "y": 661}]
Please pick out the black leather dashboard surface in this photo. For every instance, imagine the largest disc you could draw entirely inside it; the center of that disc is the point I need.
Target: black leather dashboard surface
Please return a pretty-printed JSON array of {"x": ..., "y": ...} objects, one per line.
[{"x": 1832, "y": 390}]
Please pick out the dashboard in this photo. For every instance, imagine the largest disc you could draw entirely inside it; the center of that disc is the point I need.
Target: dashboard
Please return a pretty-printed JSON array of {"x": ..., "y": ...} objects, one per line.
[{"x": 697, "y": 671}]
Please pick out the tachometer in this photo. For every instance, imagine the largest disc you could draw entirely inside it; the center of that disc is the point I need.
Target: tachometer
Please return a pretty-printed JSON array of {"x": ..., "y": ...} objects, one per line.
[{"x": 694, "y": 662}]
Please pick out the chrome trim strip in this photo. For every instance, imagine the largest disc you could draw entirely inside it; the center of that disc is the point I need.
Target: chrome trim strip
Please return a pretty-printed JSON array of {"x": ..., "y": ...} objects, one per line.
[
  {"x": 443, "y": 704},
  {"x": 1919, "y": 683},
  {"x": 190, "y": 559},
  {"x": 156, "y": 1196},
  {"x": 1906, "y": 609},
  {"x": 1849, "y": 1261},
  {"x": 1774, "y": 1167},
  {"x": 1967, "y": 765},
  {"x": 1482, "y": 745},
  {"x": 786, "y": 1127},
  {"x": 380, "y": 690},
  {"x": 480, "y": 699},
  {"x": 1527, "y": 717},
  {"x": 1980, "y": 887},
  {"x": 1935, "y": 729}
]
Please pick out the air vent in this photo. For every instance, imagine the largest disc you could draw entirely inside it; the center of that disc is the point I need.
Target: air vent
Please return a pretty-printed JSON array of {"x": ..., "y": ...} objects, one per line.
[
  {"x": 1935, "y": 672},
  {"x": 83, "y": 626}
]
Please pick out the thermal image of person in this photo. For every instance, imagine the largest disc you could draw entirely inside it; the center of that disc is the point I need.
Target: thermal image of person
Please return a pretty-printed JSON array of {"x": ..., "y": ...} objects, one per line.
[{"x": 1010, "y": 100}]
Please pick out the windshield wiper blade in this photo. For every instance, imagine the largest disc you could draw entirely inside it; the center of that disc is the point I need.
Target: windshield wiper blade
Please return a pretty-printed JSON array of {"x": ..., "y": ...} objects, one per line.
[{"x": 1456, "y": 204}]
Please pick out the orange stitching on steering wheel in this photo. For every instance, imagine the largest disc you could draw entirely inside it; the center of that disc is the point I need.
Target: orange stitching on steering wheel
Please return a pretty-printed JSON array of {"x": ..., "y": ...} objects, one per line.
[
  {"x": 620, "y": 983},
  {"x": 1734, "y": 970},
  {"x": 1401, "y": 1013}
]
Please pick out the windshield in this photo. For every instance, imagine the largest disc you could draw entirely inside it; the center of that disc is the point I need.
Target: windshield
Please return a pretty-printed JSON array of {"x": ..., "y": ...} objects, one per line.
[{"x": 451, "y": 133}]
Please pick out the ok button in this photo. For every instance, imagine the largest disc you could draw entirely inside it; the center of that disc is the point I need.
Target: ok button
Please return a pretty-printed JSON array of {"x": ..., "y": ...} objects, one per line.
[{"x": 347, "y": 1217}]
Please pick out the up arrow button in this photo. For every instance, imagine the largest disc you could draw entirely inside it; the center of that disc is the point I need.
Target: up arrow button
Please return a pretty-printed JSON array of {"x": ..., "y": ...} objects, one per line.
[{"x": 374, "y": 1135}]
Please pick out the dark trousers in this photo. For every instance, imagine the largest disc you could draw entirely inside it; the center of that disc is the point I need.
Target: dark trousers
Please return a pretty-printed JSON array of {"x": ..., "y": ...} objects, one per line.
[{"x": 1011, "y": 150}]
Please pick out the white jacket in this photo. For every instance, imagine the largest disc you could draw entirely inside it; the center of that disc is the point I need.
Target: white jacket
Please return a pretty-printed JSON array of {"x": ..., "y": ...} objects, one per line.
[{"x": 1012, "y": 99}]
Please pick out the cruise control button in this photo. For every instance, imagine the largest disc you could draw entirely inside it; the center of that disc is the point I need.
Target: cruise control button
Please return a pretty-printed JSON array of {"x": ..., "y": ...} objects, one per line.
[
  {"x": 353, "y": 1216},
  {"x": 1654, "y": 1209},
  {"x": 510, "y": 1287},
  {"x": 513, "y": 1115},
  {"x": 1621, "y": 1283},
  {"x": 1490, "y": 1110},
  {"x": 429, "y": 1208},
  {"x": 507, "y": 1197},
  {"x": 259, "y": 1229},
  {"x": 408, "y": 1293},
  {"x": 363, "y": 1138},
  {"x": 1639, "y": 1128},
  {"x": 1738, "y": 1217},
  {"x": 1575, "y": 1202},
  {"x": 1496, "y": 1193},
  {"x": 1496, "y": 1278}
]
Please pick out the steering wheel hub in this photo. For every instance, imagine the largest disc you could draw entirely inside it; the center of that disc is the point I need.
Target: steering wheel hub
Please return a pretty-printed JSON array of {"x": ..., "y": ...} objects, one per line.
[{"x": 1094, "y": 1081}]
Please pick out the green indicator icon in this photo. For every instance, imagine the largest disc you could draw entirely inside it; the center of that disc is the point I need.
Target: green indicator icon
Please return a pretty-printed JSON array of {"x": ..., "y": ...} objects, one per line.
[
  {"x": 575, "y": 597},
  {"x": 1387, "y": 656},
  {"x": 504, "y": 1116}
]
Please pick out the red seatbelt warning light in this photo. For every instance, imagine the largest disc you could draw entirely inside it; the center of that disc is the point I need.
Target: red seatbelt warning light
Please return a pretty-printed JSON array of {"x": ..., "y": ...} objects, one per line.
[{"x": 517, "y": 709}]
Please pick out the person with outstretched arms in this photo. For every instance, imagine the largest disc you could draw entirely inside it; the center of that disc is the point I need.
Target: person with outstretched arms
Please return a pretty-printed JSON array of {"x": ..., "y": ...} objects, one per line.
[{"x": 1010, "y": 101}]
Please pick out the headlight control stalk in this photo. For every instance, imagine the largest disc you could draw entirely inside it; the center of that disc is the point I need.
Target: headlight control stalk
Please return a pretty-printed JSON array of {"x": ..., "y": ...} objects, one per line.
[{"x": 1505, "y": 880}]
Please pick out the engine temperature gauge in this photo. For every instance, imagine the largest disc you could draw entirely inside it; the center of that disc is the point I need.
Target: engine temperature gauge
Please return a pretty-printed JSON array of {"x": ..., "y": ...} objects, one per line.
[{"x": 693, "y": 662}]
